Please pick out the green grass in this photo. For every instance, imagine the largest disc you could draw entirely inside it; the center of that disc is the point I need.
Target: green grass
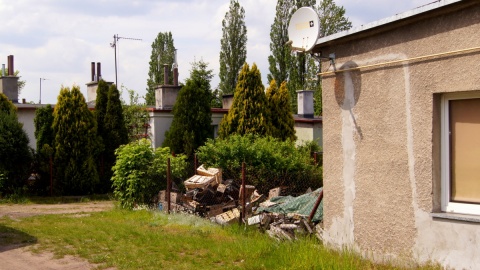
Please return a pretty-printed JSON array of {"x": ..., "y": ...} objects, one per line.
[
  {"x": 23, "y": 199},
  {"x": 152, "y": 240}
]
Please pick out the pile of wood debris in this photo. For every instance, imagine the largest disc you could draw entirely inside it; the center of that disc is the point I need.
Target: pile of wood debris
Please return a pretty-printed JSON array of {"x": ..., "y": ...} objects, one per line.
[{"x": 281, "y": 216}]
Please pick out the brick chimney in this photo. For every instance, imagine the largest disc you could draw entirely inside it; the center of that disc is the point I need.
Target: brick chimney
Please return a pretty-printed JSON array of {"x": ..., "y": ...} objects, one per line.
[
  {"x": 305, "y": 103},
  {"x": 166, "y": 95},
  {"x": 96, "y": 76},
  {"x": 9, "y": 83}
]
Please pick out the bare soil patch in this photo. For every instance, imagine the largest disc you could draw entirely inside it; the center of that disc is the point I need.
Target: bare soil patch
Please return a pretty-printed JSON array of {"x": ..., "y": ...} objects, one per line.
[{"x": 19, "y": 256}]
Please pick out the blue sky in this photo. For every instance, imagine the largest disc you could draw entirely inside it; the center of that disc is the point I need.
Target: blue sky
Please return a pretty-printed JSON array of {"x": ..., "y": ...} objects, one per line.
[{"x": 58, "y": 39}]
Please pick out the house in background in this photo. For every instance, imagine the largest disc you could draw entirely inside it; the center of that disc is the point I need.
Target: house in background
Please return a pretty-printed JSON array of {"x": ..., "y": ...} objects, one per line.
[
  {"x": 307, "y": 126},
  {"x": 402, "y": 136}
]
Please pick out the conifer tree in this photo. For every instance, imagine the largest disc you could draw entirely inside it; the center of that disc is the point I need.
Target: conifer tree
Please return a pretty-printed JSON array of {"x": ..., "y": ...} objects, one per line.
[
  {"x": 192, "y": 116},
  {"x": 99, "y": 113},
  {"x": 233, "y": 47},
  {"x": 116, "y": 134},
  {"x": 282, "y": 122},
  {"x": 45, "y": 142},
  {"x": 163, "y": 53},
  {"x": 75, "y": 144},
  {"x": 248, "y": 114},
  {"x": 15, "y": 155}
]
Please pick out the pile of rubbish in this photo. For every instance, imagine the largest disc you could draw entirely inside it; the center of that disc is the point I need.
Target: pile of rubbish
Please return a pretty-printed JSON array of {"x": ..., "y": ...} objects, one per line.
[{"x": 280, "y": 215}]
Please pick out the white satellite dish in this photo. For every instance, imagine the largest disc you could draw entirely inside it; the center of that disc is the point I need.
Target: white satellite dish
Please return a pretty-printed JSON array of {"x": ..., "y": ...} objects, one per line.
[{"x": 303, "y": 29}]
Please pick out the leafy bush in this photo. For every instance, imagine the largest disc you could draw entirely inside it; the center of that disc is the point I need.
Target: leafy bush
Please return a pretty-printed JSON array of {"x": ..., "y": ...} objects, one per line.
[
  {"x": 269, "y": 161},
  {"x": 140, "y": 172}
]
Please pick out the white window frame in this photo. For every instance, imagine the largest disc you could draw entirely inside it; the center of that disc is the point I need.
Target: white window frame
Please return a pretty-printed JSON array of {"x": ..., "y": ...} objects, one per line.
[{"x": 447, "y": 205}]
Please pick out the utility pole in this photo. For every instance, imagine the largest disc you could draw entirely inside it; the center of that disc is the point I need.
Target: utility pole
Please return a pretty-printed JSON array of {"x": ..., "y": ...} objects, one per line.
[
  {"x": 114, "y": 46},
  {"x": 40, "y": 99}
]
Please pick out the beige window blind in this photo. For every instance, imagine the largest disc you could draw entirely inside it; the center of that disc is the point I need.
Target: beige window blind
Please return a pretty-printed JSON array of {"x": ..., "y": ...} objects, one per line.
[{"x": 465, "y": 150}]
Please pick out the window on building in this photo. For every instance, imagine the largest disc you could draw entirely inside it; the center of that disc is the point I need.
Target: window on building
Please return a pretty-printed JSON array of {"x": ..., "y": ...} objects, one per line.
[{"x": 461, "y": 153}]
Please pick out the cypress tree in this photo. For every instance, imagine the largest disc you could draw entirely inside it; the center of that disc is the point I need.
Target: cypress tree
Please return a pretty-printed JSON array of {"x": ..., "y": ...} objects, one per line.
[
  {"x": 116, "y": 134},
  {"x": 15, "y": 155},
  {"x": 192, "y": 116},
  {"x": 282, "y": 122},
  {"x": 248, "y": 114},
  {"x": 45, "y": 142},
  {"x": 75, "y": 144},
  {"x": 99, "y": 113}
]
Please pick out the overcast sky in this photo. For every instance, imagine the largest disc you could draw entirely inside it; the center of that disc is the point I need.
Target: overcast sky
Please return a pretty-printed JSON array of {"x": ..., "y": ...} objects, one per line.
[{"x": 57, "y": 39}]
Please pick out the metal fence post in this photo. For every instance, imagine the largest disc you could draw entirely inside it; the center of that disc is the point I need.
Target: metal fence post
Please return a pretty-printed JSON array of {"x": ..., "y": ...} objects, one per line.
[
  {"x": 169, "y": 184},
  {"x": 244, "y": 193}
]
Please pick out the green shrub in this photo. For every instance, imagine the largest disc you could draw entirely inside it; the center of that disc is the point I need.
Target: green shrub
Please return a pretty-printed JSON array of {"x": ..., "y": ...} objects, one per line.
[
  {"x": 269, "y": 161},
  {"x": 140, "y": 172}
]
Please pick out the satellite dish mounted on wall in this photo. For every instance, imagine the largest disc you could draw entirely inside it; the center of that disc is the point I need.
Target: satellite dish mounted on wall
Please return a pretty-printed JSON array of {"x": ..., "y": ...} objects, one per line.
[{"x": 303, "y": 29}]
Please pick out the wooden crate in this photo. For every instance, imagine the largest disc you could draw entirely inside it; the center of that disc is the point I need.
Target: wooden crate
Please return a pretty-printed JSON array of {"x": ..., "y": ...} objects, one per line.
[
  {"x": 198, "y": 181},
  {"x": 228, "y": 217},
  {"x": 175, "y": 197},
  {"x": 217, "y": 172}
]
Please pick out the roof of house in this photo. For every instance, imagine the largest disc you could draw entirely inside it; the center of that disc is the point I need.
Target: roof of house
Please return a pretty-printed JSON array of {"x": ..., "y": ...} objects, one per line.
[{"x": 429, "y": 10}]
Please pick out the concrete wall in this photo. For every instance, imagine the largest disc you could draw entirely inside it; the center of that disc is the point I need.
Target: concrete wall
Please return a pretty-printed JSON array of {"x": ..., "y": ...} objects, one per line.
[
  {"x": 308, "y": 130},
  {"x": 26, "y": 116},
  {"x": 381, "y": 139}
]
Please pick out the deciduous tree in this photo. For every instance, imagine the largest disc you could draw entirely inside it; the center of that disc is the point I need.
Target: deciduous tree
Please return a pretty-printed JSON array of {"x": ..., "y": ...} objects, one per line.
[
  {"x": 163, "y": 53},
  {"x": 233, "y": 47}
]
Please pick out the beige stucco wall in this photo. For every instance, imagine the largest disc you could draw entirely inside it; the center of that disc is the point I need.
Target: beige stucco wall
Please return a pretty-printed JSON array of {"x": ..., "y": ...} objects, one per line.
[{"x": 381, "y": 147}]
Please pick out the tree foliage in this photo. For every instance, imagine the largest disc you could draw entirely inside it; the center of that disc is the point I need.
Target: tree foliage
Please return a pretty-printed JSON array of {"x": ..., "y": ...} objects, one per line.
[
  {"x": 269, "y": 162},
  {"x": 163, "y": 53},
  {"x": 233, "y": 47},
  {"x": 45, "y": 142},
  {"x": 282, "y": 122},
  {"x": 76, "y": 142},
  {"x": 15, "y": 154},
  {"x": 192, "y": 116},
  {"x": 248, "y": 113},
  {"x": 140, "y": 172},
  {"x": 111, "y": 130},
  {"x": 299, "y": 69},
  {"x": 136, "y": 117}
]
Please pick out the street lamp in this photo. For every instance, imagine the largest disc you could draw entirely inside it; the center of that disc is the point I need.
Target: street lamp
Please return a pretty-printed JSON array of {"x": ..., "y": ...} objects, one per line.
[{"x": 40, "y": 99}]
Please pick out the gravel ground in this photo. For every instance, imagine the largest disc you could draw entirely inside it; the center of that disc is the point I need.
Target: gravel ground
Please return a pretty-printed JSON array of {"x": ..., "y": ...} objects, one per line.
[{"x": 19, "y": 257}]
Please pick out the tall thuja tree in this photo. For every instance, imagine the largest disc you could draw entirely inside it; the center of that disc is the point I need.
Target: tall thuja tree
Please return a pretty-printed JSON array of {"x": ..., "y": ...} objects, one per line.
[
  {"x": 163, "y": 52},
  {"x": 45, "y": 142},
  {"x": 15, "y": 155},
  {"x": 116, "y": 134},
  {"x": 192, "y": 116},
  {"x": 76, "y": 141},
  {"x": 281, "y": 118},
  {"x": 233, "y": 47},
  {"x": 249, "y": 112},
  {"x": 99, "y": 113}
]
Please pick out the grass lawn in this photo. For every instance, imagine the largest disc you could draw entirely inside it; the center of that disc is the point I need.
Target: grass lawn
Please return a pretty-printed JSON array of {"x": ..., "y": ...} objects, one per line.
[{"x": 152, "y": 240}]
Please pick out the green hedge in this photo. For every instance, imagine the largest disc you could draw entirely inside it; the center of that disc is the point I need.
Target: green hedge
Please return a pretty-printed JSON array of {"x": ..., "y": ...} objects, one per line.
[{"x": 269, "y": 162}]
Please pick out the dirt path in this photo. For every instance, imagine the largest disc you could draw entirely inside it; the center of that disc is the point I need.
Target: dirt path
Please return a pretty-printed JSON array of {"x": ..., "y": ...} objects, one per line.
[{"x": 18, "y": 257}]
